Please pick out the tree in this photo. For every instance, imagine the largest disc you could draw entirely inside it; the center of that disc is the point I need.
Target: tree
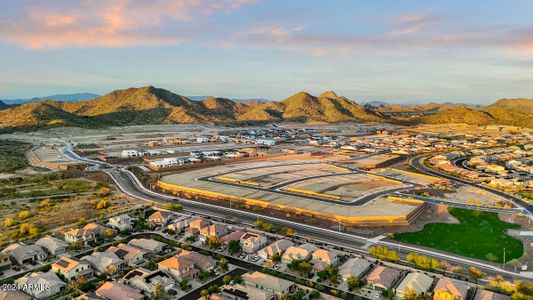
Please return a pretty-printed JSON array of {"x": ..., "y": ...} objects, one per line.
[
  {"x": 213, "y": 242},
  {"x": 276, "y": 258},
  {"x": 491, "y": 257},
  {"x": 226, "y": 279},
  {"x": 23, "y": 215},
  {"x": 384, "y": 253},
  {"x": 173, "y": 206},
  {"x": 223, "y": 263},
  {"x": 410, "y": 295},
  {"x": 234, "y": 247},
  {"x": 159, "y": 291},
  {"x": 75, "y": 246},
  {"x": 237, "y": 279},
  {"x": 515, "y": 263},
  {"x": 102, "y": 204},
  {"x": 82, "y": 221},
  {"x": 475, "y": 273},
  {"x": 314, "y": 294},
  {"x": 111, "y": 269},
  {"x": 353, "y": 282},
  {"x": 46, "y": 203},
  {"x": 305, "y": 268},
  {"x": 109, "y": 232},
  {"x": 290, "y": 232},
  {"x": 204, "y": 294},
  {"x": 8, "y": 222},
  {"x": 104, "y": 191},
  {"x": 184, "y": 284}
]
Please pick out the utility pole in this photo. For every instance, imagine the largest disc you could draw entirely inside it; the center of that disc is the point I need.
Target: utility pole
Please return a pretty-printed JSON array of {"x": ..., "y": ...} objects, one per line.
[{"x": 339, "y": 225}]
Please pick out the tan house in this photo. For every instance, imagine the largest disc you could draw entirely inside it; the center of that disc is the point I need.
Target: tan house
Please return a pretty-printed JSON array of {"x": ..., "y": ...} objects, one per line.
[
  {"x": 71, "y": 269},
  {"x": 383, "y": 278},
  {"x": 160, "y": 218},
  {"x": 148, "y": 281},
  {"x": 213, "y": 230},
  {"x": 418, "y": 283},
  {"x": 448, "y": 289},
  {"x": 271, "y": 284},
  {"x": 325, "y": 256},
  {"x": 52, "y": 245},
  {"x": 251, "y": 242},
  {"x": 132, "y": 255},
  {"x": 178, "y": 267},
  {"x": 112, "y": 290},
  {"x": 488, "y": 295},
  {"x": 355, "y": 267},
  {"x": 303, "y": 252},
  {"x": 200, "y": 261},
  {"x": 277, "y": 247},
  {"x": 5, "y": 262},
  {"x": 86, "y": 236}
]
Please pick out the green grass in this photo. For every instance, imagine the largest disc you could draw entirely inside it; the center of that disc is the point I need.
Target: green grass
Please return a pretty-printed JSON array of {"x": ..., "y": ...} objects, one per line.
[
  {"x": 478, "y": 235},
  {"x": 12, "y": 155}
]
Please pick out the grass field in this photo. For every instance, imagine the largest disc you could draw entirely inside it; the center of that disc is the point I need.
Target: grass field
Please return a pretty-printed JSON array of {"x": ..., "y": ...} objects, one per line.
[{"x": 480, "y": 235}]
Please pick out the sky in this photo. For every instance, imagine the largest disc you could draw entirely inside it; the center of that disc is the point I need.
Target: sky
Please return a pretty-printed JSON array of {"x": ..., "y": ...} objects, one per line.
[{"x": 390, "y": 50}]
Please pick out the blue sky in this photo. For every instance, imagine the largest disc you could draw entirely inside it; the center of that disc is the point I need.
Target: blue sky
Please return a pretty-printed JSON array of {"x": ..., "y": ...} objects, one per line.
[{"x": 396, "y": 51}]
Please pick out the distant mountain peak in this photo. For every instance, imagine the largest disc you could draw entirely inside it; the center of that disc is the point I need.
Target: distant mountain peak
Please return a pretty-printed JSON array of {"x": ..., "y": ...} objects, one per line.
[{"x": 328, "y": 94}]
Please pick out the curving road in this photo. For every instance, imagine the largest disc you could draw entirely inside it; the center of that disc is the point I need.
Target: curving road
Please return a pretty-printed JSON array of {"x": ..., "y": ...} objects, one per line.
[{"x": 128, "y": 183}]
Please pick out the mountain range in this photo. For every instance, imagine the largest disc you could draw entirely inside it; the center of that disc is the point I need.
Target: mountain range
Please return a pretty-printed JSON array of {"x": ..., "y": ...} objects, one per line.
[
  {"x": 150, "y": 105},
  {"x": 58, "y": 97}
]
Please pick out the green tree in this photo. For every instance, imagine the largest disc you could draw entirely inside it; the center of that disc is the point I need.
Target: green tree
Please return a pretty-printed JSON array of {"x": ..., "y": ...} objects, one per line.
[
  {"x": 226, "y": 279},
  {"x": 223, "y": 263},
  {"x": 353, "y": 282},
  {"x": 234, "y": 247}
]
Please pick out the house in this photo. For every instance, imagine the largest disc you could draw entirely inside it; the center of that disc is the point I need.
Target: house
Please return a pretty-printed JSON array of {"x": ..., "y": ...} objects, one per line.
[
  {"x": 243, "y": 292},
  {"x": 198, "y": 223},
  {"x": 355, "y": 267},
  {"x": 233, "y": 236},
  {"x": 53, "y": 284},
  {"x": 448, "y": 289},
  {"x": 302, "y": 252},
  {"x": 251, "y": 242},
  {"x": 131, "y": 153},
  {"x": 22, "y": 253},
  {"x": 324, "y": 256},
  {"x": 13, "y": 295},
  {"x": 149, "y": 245},
  {"x": 132, "y": 255},
  {"x": 417, "y": 282},
  {"x": 383, "y": 278},
  {"x": 71, "y": 269},
  {"x": 202, "y": 262},
  {"x": 105, "y": 262},
  {"x": 488, "y": 295},
  {"x": 121, "y": 222},
  {"x": 52, "y": 245},
  {"x": 148, "y": 281},
  {"x": 181, "y": 223},
  {"x": 277, "y": 286},
  {"x": 213, "y": 231},
  {"x": 178, "y": 267},
  {"x": 160, "y": 218},
  {"x": 86, "y": 236},
  {"x": 191, "y": 232},
  {"x": 277, "y": 247},
  {"x": 5, "y": 262},
  {"x": 112, "y": 290}
]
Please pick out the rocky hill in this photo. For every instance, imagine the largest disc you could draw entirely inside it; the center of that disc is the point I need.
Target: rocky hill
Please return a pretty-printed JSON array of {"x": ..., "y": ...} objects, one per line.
[{"x": 150, "y": 105}]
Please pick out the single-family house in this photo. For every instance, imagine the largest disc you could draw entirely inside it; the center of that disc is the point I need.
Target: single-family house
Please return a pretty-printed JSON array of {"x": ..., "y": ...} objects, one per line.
[
  {"x": 121, "y": 222},
  {"x": 325, "y": 256},
  {"x": 178, "y": 267},
  {"x": 71, "y": 268},
  {"x": 232, "y": 236},
  {"x": 13, "y": 295},
  {"x": 132, "y": 255},
  {"x": 277, "y": 247},
  {"x": 150, "y": 245},
  {"x": 213, "y": 231},
  {"x": 105, "y": 262},
  {"x": 148, "y": 281},
  {"x": 277, "y": 286},
  {"x": 383, "y": 278},
  {"x": 243, "y": 292},
  {"x": 52, "y": 245},
  {"x": 356, "y": 267},
  {"x": 418, "y": 283},
  {"x": 53, "y": 284},
  {"x": 448, "y": 289},
  {"x": 89, "y": 235},
  {"x": 303, "y": 252},
  {"x": 112, "y": 290},
  {"x": 200, "y": 261},
  {"x": 22, "y": 253},
  {"x": 488, "y": 295},
  {"x": 251, "y": 242},
  {"x": 160, "y": 218}
]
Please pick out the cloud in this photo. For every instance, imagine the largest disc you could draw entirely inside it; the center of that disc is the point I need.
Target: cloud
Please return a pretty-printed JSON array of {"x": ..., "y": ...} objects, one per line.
[
  {"x": 414, "y": 23},
  {"x": 106, "y": 23}
]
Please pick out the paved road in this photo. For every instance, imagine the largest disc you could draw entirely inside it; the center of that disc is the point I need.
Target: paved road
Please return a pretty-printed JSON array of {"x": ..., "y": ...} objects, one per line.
[
  {"x": 127, "y": 182},
  {"x": 416, "y": 163}
]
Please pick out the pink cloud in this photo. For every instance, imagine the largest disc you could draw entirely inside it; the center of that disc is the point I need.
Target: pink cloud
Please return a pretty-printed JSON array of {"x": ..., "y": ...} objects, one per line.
[
  {"x": 106, "y": 23},
  {"x": 413, "y": 23}
]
